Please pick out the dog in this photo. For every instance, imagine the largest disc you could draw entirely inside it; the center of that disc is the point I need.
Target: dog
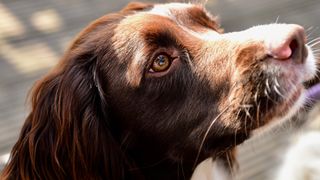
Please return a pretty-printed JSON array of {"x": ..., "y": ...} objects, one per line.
[{"x": 151, "y": 91}]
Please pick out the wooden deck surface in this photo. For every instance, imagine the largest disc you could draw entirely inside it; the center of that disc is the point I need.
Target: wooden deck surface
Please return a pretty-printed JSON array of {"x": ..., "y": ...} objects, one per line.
[{"x": 34, "y": 34}]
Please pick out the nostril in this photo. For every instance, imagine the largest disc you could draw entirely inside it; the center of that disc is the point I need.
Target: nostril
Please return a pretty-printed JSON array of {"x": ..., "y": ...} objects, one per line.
[
  {"x": 290, "y": 49},
  {"x": 294, "y": 45},
  {"x": 281, "y": 51}
]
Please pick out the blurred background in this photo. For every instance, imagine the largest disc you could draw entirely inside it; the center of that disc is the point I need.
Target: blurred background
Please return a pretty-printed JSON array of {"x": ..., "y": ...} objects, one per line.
[{"x": 34, "y": 34}]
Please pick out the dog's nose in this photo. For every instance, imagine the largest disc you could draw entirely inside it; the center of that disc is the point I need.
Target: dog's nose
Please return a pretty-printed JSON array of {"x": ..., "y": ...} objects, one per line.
[{"x": 290, "y": 46}]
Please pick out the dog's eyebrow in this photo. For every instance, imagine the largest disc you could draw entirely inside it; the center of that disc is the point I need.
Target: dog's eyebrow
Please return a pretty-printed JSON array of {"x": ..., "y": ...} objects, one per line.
[{"x": 162, "y": 37}]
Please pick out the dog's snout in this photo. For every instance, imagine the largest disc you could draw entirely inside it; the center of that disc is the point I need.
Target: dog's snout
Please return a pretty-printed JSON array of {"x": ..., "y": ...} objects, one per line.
[{"x": 290, "y": 46}]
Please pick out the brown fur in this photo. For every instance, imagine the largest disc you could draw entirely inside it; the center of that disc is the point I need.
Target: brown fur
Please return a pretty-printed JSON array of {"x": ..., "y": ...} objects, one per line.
[{"x": 101, "y": 114}]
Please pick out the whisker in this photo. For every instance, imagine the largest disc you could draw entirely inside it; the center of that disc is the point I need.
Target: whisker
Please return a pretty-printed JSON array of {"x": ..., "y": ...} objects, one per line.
[
  {"x": 313, "y": 49},
  {"x": 277, "y": 20},
  {"x": 250, "y": 116},
  {"x": 237, "y": 116},
  {"x": 310, "y": 31},
  {"x": 258, "y": 115},
  {"x": 256, "y": 97},
  {"x": 313, "y": 40},
  {"x": 315, "y": 43},
  {"x": 230, "y": 165},
  {"x": 293, "y": 86},
  {"x": 245, "y": 126},
  {"x": 246, "y": 106},
  {"x": 257, "y": 93},
  {"x": 317, "y": 76},
  {"x": 317, "y": 56},
  {"x": 247, "y": 111},
  {"x": 278, "y": 92},
  {"x": 268, "y": 85},
  {"x": 267, "y": 95},
  {"x": 276, "y": 82},
  {"x": 206, "y": 134},
  {"x": 316, "y": 50}
]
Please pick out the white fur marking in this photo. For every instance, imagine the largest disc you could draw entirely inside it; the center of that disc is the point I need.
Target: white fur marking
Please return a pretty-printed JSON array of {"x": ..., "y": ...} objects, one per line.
[
  {"x": 310, "y": 65},
  {"x": 165, "y": 10}
]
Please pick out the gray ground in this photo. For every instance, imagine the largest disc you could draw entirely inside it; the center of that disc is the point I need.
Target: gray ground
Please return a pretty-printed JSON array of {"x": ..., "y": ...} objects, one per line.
[{"x": 34, "y": 34}]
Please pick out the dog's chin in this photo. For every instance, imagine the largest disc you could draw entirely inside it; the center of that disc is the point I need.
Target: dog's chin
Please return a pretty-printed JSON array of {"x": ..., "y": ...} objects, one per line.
[
  {"x": 278, "y": 114},
  {"x": 283, "y": 112}
]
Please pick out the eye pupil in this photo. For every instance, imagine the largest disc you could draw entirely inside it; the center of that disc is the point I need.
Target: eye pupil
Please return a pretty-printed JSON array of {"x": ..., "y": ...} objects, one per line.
[
  {"x": 161, "y": 60},
  {"x": 161, "y": 63}
]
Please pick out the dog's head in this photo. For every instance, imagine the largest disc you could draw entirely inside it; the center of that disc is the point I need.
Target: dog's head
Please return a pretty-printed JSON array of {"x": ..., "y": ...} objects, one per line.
[{"x": 155, "y": 82}]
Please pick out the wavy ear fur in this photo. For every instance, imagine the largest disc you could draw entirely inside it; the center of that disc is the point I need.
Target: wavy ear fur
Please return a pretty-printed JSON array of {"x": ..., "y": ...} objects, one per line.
[
  {"x": 136, "y": 6},
  {"x": 67, "y": 133}
]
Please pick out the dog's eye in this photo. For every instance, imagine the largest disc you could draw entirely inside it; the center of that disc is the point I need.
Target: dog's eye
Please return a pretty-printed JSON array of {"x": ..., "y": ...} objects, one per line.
[{"x": 161, "y": 63}]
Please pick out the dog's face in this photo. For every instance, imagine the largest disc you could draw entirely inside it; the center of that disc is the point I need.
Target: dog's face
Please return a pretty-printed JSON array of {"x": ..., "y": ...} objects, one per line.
[
  {"x": 158, "y": 82},
  {"x": 176, "y": 79}
]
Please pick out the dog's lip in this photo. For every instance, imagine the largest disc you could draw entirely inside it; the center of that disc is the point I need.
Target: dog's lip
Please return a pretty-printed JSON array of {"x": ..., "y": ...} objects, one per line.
[
  {"x": 280, "y": 109},
  {"x": 286, "y": 62},
  {"x": 285, "y": 106}
]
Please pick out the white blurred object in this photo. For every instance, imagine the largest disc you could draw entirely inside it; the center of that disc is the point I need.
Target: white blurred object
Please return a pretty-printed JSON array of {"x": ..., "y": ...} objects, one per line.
[
  {"x": 210, "y": 170},
  {"x": 4, "y": 158},
  {"x": 302, "y": 161}
]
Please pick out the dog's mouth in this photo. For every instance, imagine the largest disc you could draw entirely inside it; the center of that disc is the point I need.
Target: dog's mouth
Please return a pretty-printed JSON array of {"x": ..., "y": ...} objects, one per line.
[
  {"x": 279, "y": 102},
  {"x": 274, "y": 93},
  {"x": 257, "y": 118},
  {"x": 263, "y": 108},
  {"x": 290, "y": 104},
  {"x": 291, "y": 93}
]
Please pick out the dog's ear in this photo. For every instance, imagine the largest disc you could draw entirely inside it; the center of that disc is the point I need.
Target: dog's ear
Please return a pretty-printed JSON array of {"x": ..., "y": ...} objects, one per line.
[
  {"x": 137, "y": 6},
  {"x": 67, "y": 133}
]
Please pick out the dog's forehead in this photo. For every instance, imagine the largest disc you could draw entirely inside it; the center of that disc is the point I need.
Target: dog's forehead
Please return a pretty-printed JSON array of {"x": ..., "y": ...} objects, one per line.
[
  {"x": 182, "y": 12},
  {"x": 168, "y": 10},
  {"x": 178, "y": 18}
]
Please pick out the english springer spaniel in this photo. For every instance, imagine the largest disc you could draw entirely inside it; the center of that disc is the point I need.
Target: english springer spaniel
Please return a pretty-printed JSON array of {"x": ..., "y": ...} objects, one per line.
[{"x": 154, "y": 89}]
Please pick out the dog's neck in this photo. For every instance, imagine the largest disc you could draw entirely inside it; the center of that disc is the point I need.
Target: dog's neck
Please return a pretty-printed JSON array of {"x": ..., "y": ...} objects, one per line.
[
  {"x": 150, "y": 165},
  {"x": 159, "y": 169},
  {"x": 147, "y": 161}
]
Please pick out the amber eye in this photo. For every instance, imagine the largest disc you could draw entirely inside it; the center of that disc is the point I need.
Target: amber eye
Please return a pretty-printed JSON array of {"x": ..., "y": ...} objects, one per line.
[{"x": 161, "y": 63}]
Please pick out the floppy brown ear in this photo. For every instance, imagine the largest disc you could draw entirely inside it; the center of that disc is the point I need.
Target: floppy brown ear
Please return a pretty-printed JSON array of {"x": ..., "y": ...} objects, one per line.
[
  {"x": 67, "y": 133},
  {"x": 137, "y": 6}
]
